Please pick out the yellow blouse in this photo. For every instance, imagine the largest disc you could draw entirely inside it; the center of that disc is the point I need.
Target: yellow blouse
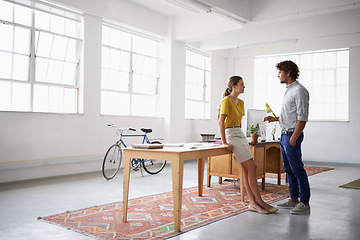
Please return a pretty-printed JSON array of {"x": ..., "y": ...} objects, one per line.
[{"x": 234, "y": 113}]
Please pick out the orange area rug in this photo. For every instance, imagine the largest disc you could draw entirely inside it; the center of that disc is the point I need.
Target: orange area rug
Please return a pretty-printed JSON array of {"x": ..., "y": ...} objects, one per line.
[{"x": 151, "y": 217}]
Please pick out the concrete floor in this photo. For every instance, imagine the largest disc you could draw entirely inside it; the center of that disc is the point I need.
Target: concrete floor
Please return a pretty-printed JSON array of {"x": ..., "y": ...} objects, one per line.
[{"x": 335, "y": 212}]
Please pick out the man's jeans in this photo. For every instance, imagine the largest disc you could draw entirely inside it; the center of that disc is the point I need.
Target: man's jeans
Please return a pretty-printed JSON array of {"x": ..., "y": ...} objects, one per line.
[{"x": 294, "y": 168}]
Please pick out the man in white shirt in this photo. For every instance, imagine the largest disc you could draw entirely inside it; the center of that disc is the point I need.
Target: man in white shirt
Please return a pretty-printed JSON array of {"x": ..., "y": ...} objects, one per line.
[{"x": 293, "y": 118}]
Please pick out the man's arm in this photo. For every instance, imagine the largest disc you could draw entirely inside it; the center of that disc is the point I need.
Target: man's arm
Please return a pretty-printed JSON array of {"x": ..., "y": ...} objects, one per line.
[
  {"x": 271, "y": 119},
  {"x": 300, "y": 125}
]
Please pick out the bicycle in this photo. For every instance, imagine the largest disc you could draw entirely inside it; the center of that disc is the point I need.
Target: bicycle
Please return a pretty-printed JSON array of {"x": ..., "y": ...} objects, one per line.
[{"x": 114, "y": 155}]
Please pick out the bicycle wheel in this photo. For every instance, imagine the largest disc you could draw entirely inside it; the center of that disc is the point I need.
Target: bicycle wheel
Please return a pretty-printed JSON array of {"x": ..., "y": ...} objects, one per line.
[
  {"x": 112, "y": 161},
  {"x": 152, "y": 166}
]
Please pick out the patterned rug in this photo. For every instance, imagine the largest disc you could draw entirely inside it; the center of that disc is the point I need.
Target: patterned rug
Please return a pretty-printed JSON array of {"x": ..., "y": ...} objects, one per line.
[
  {"x": 310, "y": 170},
  {"x": 151, "y": 217}
]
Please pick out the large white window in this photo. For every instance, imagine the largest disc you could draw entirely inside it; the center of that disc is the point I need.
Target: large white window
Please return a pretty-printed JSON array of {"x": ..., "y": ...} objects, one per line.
[
  {"x": 197, "y": 85},
  {"x": 39, "y": 57},
  {"x": 325, "y": 74},
  {"x": 130, "y": 73}
]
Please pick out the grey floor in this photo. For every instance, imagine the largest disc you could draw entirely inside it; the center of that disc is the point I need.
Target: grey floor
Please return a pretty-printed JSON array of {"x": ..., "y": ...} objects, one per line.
[{"x": 335, "y": 212}]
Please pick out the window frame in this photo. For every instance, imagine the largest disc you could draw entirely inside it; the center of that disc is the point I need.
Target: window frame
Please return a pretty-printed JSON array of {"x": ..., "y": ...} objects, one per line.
[
  {"x": 52, "y": 104},
  {"x": 205, "y": 99},
  {"x": 132, "y": 92},
  {"x": 305, "y": 61}
]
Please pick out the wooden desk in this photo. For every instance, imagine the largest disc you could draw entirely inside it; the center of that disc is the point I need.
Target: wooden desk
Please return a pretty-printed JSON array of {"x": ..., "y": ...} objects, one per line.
[
  {"x": 266, "y": 155},
  {"x": 177, "y": 156}
]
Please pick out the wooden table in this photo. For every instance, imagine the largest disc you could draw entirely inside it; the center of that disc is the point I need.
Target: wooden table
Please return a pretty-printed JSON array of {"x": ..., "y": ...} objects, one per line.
[
  {"x": 177, "y": 156},
  {"x": 266, "y": 155}
]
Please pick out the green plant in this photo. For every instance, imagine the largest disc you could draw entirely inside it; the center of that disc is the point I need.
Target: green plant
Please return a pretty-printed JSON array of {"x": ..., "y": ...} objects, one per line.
[{"x": 254, "y": 129}]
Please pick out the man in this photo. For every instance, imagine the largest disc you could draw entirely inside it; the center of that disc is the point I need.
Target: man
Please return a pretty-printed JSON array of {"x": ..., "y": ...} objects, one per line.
[{"x": 293, "y": 118}]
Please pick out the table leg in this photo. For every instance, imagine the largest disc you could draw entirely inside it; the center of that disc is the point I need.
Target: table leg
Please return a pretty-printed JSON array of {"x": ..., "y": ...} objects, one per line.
[
  {"x": 263, "y": 183},
  {"x": 177, "y": 168},
  {"x": 126, "y": 180},
  {"x": 201, "y": 167},
  {"x": 242, "y": 185}
]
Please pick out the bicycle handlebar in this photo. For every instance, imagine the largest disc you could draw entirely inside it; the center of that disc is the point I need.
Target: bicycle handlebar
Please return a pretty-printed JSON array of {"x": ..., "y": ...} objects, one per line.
[{"x": 120, "y": 129}]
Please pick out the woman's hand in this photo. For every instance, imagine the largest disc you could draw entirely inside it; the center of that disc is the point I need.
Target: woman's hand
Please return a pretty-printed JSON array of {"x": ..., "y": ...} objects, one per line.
[{"x": 230, "y": 147}]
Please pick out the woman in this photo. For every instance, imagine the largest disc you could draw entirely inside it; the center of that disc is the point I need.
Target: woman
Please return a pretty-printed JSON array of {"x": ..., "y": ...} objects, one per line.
[{"x": 231, "y": 112}]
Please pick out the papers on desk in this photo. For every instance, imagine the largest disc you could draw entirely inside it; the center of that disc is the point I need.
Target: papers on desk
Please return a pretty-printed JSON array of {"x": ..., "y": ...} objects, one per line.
[
  {"x": 178, "y": 145},
  {"x": 148, "y": 146},
  {"x": 200, "y": 145}
]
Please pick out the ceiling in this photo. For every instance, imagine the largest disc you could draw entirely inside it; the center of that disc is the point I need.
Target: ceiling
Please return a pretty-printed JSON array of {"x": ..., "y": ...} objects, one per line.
[{"x": 226, "y": 24}]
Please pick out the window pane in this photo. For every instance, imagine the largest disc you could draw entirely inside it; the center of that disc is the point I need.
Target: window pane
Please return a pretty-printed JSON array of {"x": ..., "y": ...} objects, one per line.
[
  {"x": 6, "y": 39},
  {"x": 58, "y": 49},
  {"x": 5, "y": 65},
  {"x": 20, "y": 97},
  {"x": 144, "y": 84},
  {"x": 68, "y": 74},
  {"x": 54, "y": 71},
  {"x": 143, "y": 105},
  {"x": 22, "y": 15},
  {"x": 194, "y": 109},
  {"x": 22, "y": 40},
  {"x": 41, "y": 98},
  {"x": 43, "y": 44},
  {"x": 21, "y": 67},
  {"x": 72, "y": 53},
  {"x": 56, "y": 99},
  {"x": 70, "y": 100},
  {"x": 42, "y": 20},
  {"x": 144, "y": 46},
  {"x": 5, "y": 95},
  {"x": 145, "y": 65},
  {"x": 57, "y": 24},
  {"x": 41, "y": 69},
  {"x": 6, "y": 12}
]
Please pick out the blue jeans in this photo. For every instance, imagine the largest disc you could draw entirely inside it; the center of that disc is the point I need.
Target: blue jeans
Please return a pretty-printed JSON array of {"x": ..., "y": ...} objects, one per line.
[{"x": 294, "y": 168}]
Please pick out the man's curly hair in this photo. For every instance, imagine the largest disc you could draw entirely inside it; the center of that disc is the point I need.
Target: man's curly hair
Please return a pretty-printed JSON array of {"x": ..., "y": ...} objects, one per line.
[{"x": 289, "y": 66}]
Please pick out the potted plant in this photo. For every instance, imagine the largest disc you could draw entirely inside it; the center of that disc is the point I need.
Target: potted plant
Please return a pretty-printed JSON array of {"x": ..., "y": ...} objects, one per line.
[{"x": 254, "y": 133}]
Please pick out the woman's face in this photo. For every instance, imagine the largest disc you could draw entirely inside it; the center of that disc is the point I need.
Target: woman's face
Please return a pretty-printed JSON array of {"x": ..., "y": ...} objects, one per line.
[{"x": 239, "y": 88}]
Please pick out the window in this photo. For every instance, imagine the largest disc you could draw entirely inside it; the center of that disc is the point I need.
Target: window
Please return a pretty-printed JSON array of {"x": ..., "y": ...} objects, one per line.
[
  {"x": 325, "y": 74},
  {"x": 130, "y": 73},
  {"x": 39, "y": 58},
  {"x": 197, "y": 85}
]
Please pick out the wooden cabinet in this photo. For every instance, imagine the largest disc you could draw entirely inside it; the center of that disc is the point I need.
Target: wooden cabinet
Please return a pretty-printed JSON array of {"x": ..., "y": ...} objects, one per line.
[
  {"x": 273, "y": 159},
  {"x": 266, "y": 156}
]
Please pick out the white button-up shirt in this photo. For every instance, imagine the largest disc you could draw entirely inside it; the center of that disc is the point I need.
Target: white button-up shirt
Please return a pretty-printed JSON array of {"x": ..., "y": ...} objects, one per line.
[{"x": 295, "y": 106}]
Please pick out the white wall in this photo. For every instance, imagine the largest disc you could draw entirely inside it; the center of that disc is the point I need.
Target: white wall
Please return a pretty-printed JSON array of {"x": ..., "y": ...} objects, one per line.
[
  {"x": 36, "y": 145},
  {"x": 324, "y": 141}
]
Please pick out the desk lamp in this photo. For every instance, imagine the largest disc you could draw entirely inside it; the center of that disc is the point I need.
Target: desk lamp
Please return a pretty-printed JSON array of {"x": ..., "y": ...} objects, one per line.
[{"x": 269, "y": 110}]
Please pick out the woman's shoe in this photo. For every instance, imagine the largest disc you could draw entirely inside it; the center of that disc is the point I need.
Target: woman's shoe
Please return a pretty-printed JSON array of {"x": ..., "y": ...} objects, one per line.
[
  {"x": 273, "y": 210},
  {"x": 262, "y": 211}
]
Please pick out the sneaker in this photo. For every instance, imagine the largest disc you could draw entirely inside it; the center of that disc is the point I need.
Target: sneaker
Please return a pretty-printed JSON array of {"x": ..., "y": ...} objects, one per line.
[
  {"x": 287, "y": 204},
  {"x": 300, "y": 208}
]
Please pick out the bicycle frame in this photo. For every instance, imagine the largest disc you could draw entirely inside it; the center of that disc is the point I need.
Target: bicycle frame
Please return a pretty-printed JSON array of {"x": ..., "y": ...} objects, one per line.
[{"x": 145, "y": 138}]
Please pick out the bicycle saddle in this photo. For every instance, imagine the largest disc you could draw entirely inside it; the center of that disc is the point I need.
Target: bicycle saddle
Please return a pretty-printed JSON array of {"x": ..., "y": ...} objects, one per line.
[{"x": 146, "y": 130}]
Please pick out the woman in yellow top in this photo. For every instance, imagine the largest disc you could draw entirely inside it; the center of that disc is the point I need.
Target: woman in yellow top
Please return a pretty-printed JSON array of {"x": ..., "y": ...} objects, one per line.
[{"x": 231, "y": 112}]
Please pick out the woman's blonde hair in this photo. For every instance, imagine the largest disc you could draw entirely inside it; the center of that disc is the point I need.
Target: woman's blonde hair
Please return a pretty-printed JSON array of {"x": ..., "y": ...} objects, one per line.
[{"x": 233, "y": 81}]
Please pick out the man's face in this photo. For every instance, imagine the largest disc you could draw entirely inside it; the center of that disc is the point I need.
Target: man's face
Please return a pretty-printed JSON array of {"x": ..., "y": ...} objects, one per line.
[{"x": 282, "y": 76}]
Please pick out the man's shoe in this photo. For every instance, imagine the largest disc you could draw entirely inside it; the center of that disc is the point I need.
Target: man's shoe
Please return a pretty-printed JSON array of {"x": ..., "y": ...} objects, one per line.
[
  {"x": 300, "y": 208},
  {"x": 287, "y": 204}
]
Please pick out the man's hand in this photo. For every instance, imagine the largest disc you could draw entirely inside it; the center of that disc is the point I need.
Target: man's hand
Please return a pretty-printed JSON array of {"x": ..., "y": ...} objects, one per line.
[
  {"x": 271, "y": 119},
  {"x": 293, "y": 141}
]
